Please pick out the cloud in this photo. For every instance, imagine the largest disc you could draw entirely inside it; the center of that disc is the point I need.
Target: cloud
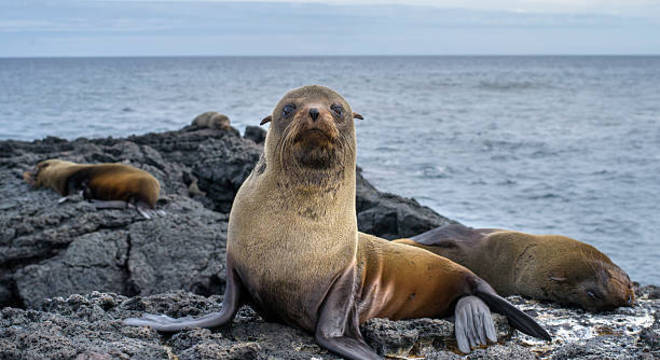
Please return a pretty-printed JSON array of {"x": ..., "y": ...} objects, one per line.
[
  {"x": 84, "y": 25},
  {"x": 646, "y": 8},
  {"x": 101, "y": 28}
]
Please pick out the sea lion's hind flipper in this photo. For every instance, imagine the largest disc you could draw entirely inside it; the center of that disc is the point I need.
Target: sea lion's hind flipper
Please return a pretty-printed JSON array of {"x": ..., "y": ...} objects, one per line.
[
  {"x": 146, "y": 213},
  {"x": 347, "y": 347},
  {"x": 473, "y": 323},
  {"x": 141, "y": 209},
  {"x": 336, "y": 331},
  {"x": 149, "y": 213},
  {"x": 516, "y": 317},
  {"x": 230, "y": 305},
  {"x": 110, "y": 204}
]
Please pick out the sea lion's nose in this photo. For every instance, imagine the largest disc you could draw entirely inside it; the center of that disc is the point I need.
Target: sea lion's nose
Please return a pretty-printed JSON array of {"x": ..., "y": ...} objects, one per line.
[
  {"x": 630, "y": 300},
  {"x": 314, "y": 113}
]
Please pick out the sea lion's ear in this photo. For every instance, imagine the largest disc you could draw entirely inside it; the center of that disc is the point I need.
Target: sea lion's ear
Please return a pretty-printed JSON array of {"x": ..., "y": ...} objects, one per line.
[
  {"x": 357, "y": 116},
  {"x": 267, "y": 119}
]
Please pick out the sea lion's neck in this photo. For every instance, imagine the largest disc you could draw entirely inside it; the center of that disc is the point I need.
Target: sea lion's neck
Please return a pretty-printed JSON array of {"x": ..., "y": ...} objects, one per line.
[
  {"x": 315, "y": 182},
  {"x": 319, "y": 191},
  {"x": 313, "y": 219},
  {"x": 58, "y": 177}
]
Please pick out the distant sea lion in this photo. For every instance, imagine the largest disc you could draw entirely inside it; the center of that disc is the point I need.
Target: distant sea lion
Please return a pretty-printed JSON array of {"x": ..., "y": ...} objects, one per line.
[
  {"x": 212, "y": 120},
  {"x": 293, "y": 250},
  {"x": 108, "y": 185},
  {"x": 546, "y": 267}
]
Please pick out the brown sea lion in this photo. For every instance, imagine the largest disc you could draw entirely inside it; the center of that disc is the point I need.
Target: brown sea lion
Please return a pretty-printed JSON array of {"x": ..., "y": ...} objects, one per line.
[
  {"x": 108, "y": 185},
  {"x": 212, "y": 120},
  {"x": 546, "y": 267},
  {"x": 293, "y": 250}
]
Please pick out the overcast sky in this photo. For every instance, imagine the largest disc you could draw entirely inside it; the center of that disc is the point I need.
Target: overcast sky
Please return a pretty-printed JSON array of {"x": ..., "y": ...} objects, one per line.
[{"x": 330, "y": 27}]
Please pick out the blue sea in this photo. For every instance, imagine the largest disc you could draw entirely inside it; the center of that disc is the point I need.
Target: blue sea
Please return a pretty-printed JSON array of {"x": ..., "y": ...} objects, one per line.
[{"x": 548, "y": 144}]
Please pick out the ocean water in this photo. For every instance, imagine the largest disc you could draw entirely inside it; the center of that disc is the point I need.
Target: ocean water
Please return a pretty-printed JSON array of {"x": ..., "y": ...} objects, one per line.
[{"x": 567, "y": 145}]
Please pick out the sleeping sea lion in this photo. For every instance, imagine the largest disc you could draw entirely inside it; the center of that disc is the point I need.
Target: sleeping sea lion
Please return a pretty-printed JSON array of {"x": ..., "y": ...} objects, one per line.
[
  {"x": 546, "y": 267},
  {"x": 212, "y": 120},
  {"x": 293, "y": 250},
  {"x": 107, "y": 185}
]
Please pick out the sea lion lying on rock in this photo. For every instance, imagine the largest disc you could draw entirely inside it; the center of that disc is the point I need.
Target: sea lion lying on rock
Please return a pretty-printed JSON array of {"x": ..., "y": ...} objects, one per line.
[
  {"x": 107, "y": 185},
  {"x": 293, "y": 251},
  {"x": 212, "y": 120},
  {"x": 546, "y": 267}
]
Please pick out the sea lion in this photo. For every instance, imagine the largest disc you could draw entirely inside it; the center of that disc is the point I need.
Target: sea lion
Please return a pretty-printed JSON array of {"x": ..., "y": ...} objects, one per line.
[
  {"x": 545, "y": 267},
  {"x": 107, "y": 185},
  {"x": 293, "y": 250},
  {"x": 212, "y": 120}
]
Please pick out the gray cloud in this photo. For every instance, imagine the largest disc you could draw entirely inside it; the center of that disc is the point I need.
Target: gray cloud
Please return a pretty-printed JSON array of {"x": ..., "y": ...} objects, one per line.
[{"x": 102, "y": 28}]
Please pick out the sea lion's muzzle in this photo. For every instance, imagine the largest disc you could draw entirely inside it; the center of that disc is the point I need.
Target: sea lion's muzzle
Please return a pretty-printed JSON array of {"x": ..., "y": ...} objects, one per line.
[
  {"x": 315, "y": 127},
  {"x": 620, "y": 288},
  {"x": 31, "y": 177},
  {"x": 316, "y": 139},
  {"x": 628, "y": 298}
]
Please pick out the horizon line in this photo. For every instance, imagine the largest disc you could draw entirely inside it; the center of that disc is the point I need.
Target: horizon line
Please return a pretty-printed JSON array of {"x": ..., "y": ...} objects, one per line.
[{"x": 324, "y": 56}]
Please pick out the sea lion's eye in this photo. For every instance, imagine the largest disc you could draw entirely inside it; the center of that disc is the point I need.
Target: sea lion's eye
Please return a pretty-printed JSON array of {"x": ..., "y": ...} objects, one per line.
[
  {"x": 338, "y": 109},
  {"x": 288, "y": 109}
]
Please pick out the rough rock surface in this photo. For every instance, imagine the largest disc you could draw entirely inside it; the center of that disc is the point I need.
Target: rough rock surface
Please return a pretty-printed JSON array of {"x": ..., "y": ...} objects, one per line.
[
  {"x": 49, "y": 250},
  {"x": 391, "y": 216},
  {"x": 255, "y": 133},
  {"x": 89, "y": 327},
  {"x": 49, "y": 253}
]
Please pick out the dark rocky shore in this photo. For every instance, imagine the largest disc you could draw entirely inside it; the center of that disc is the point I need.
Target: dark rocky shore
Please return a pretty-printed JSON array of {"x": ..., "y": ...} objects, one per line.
[{"x": 70, "y": 273}]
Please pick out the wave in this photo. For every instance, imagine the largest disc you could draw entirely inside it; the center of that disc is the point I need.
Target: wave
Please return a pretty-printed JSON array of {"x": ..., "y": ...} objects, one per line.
[{"x": 511, "y": 85}]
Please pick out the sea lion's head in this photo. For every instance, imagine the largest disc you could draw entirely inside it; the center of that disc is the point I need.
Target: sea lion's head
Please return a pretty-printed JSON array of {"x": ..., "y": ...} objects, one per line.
[
  {"x": 46, "y": 173},
  {"x": 586, "y": 277},
  {"x": 312, "y": 130}
]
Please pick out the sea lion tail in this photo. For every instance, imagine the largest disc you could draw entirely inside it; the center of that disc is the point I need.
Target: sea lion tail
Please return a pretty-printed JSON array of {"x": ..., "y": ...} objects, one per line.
[{"x": 516, "y": 317}]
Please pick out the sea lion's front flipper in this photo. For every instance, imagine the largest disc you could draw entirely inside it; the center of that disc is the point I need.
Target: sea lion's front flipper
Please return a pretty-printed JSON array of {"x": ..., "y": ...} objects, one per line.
[
  {"x": 517, "y": 318},
  {"x": 64, "y": 199},
  {"x": 473, "y": 324},
  {"x": 337, "y": 328},
  {"x": 230, "y": 304}
]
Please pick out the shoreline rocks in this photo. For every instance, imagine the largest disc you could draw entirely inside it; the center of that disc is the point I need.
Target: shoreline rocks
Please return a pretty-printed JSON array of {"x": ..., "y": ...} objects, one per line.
[
  {"x": 89, "y": 327},
  {"x": 69, "y": 273},
  {"x": 49, "y": 249}
]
